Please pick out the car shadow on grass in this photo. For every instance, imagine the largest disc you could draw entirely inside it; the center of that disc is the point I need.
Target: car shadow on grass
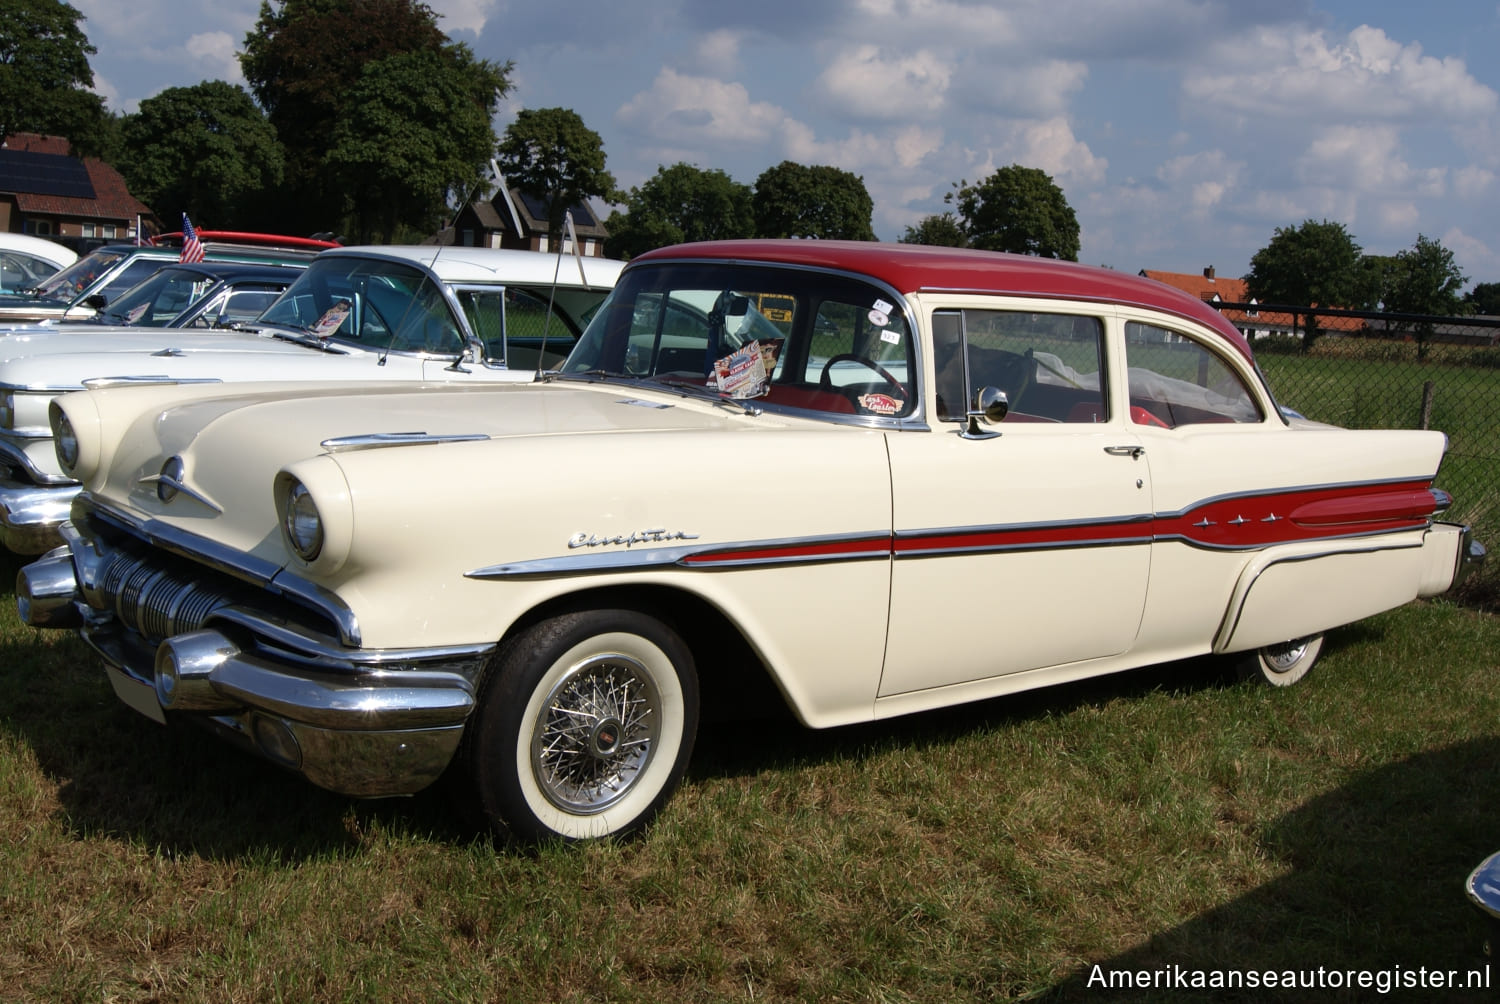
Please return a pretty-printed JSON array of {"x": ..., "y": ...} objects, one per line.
[{"x": 1374, "y": 886}]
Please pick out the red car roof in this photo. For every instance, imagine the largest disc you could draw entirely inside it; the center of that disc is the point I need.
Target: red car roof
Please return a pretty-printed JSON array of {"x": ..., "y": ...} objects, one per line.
[{"x": 911, "y": 268}]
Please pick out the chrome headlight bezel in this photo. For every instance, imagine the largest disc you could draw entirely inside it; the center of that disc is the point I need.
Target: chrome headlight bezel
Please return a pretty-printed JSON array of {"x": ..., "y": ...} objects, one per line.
[{"x": 301, "y": 522}]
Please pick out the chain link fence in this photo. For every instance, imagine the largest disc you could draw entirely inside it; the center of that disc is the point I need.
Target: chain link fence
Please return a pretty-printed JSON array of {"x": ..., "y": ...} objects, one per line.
[{"x": 1370, "y": 370}]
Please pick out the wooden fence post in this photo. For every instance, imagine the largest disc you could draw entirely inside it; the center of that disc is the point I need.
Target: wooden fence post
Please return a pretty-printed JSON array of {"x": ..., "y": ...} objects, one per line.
[{"x": 1427, "y": 391}]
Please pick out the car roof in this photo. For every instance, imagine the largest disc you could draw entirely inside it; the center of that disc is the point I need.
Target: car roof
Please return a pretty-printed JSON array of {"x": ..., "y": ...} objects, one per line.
[
  {"x": 457, "y": 264},
  {"x": 38, "y": 247},
  {"x": 915, "y": 268}
]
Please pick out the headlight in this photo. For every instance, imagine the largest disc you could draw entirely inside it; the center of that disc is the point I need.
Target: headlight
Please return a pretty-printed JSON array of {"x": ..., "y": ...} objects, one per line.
[
  {"x": 300, "y": 521},
  {"x": 67, "y": 443}
]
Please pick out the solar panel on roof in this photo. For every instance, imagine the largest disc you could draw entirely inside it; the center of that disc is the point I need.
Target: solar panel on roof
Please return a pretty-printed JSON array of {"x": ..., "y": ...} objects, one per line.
[
  {"x": 582, "y": 215},
  {"x": 32, "y": 173}
]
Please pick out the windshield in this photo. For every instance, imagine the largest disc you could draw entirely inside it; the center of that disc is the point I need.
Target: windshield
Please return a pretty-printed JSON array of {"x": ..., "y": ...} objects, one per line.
[
  {"x": 159, "y": 300},
  {"x": 80, "y": 275},
  {"x": 784, "y": 336},
  {"x": 377, "y": 304}
]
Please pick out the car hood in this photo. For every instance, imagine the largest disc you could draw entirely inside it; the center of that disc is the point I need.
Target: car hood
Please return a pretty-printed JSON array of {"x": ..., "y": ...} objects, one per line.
[
  {"x": 64, "y": 359},
  {"x": 233, "y": 440}
]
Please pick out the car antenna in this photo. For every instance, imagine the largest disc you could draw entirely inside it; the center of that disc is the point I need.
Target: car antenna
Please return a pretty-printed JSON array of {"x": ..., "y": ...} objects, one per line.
[
  {"x": 569, "y": 235},
  {"x": 432, "y": 267}
]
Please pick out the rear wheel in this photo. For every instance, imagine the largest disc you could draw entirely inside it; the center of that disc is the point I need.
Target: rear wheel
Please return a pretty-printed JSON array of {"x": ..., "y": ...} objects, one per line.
[
  {"x": 1283, "y": 664},
  {"x": 583, "y": 727}
]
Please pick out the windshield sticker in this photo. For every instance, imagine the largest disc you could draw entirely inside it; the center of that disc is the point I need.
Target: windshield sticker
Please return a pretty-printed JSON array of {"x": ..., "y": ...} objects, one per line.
[
  {"x": 879, "y": 404},
  {"x": 880, "y": 313},
  {"x": 331, "y": 319},
  {"x": 745, "y": 372},
  {"x": 890, "y": 337},
  {"x": 136, "y": 313}
]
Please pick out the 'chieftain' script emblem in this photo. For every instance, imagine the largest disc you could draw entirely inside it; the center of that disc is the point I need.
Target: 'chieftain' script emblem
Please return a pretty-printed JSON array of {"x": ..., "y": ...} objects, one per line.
[{"x": 657, "y": 536}]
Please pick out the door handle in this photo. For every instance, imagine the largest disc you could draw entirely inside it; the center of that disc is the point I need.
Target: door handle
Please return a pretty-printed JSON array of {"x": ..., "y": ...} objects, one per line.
[{"x": 1134, "y": 452}]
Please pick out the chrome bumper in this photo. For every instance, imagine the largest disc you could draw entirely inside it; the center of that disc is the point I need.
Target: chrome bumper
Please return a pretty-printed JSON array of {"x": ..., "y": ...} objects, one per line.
[
  {"x": 31, "y": 514},
  {"x": 369, "y": 723}
]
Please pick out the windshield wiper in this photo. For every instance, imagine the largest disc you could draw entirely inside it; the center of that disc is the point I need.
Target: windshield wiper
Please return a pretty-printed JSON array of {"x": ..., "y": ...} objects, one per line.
[{"x": 303, "y": 338}]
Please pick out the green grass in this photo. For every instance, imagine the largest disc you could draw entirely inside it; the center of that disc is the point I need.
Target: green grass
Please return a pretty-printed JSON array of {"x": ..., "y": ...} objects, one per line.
[{"x": 1156, "y": 818}]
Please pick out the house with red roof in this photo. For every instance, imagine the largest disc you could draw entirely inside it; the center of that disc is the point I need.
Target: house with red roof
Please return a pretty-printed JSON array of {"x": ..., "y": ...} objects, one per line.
[
  {"x": 79, "y": 201},
  {"x": 1212, "y": 288}
]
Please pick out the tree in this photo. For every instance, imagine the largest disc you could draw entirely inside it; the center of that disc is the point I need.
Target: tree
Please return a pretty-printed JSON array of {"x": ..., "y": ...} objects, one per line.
[
  {"x": 306, "y": 62},
  {"x": 45, "y": 75},
  {"x": 417, "y": 138},
  {"x": 938, "y": 231},
  {"x": 549, "y": 154},
  {"x": 792, "y": 200},
  {"x": 1018, "y": 209},
  {"x": 1484, "y": 298},
  {"x": 204, "y": 150},
  {"x": 680, "y": 203},
  {"x": 1314, "y": 264},
  {"x": 1426, "y": 281}
]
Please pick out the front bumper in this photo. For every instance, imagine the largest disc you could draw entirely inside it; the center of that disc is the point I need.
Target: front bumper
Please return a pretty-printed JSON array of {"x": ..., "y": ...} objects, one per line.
[
  {"x": 355, "y": 721},
  {"x": 31, "y": 514}
]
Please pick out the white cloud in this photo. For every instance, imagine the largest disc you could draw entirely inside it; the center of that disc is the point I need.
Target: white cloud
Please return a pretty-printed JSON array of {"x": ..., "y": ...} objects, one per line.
[
  {"x": 700, "y": 111},
  {"x": 463, "y": 15},
  {"x": 1201, "y": 180},
  {"x": 214, "y": 54},
  {"x": 1471, "y": 182},
  {"x": 1277, "y": 73},
  {"x": 870, "y": 83}
]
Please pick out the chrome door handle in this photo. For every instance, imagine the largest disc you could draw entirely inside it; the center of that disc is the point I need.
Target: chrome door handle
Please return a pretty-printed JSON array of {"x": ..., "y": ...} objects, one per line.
[{"x": 1134, "y": 452}]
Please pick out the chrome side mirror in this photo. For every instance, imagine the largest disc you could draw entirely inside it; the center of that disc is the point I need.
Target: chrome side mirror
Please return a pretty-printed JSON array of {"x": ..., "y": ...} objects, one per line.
[{"x": 990, "y": 406}]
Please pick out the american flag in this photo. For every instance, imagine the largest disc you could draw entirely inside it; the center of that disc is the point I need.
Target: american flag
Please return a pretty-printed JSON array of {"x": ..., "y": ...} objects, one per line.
[{"x": 192, "y": 249}]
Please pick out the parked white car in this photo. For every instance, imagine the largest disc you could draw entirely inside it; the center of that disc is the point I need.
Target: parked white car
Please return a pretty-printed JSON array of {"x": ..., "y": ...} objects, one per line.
[
  {"x": 455, "y": 315},
  {"x": 25, "y": 261},
  {"x": 872, "y": 479}
]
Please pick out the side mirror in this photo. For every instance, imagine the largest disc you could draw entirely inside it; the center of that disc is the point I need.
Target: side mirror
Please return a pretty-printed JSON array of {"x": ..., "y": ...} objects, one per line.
[
  {"x": 95, "y": 300},
  {"x": 990, "y": 406}
]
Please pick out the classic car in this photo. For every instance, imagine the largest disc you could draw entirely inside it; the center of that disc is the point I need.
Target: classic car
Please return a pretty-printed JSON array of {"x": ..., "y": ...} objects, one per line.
[
  {"x": 25, "y": 260},
  {"x": 869, "y": 479},
  {"x": 207, "y": 294},
  {"x": 77, "y": 292},
  {"x": 388, "y": 313}
]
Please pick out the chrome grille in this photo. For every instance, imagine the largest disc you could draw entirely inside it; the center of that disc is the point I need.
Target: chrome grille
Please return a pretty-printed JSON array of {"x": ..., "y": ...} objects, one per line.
[{"x": 156, "y": 602}]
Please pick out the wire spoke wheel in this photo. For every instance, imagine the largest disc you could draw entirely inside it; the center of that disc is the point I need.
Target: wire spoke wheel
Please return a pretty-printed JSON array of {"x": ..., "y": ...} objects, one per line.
[
  {"x": 596, "y": 733},
  {"x": 582, "y": 727}
]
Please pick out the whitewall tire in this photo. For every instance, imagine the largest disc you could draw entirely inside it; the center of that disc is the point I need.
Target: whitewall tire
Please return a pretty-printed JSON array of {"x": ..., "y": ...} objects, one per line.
[{"x": 583, "y": 726}]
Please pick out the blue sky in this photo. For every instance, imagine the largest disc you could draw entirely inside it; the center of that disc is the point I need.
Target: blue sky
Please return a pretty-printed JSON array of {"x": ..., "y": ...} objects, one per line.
[{"x": 1182, "y": 132}]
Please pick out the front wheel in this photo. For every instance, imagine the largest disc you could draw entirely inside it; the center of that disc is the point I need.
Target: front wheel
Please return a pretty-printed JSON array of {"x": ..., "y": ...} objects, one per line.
[
  {"x": 583, "y": 726},
  {"x": 1283, "y": 664}
]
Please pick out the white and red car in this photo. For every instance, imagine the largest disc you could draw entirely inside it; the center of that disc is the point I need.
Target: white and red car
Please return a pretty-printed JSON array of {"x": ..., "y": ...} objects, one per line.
[{"x": 882, "y": 478}]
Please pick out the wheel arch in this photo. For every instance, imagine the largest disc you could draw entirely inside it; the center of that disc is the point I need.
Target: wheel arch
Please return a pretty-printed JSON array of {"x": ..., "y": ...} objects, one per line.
[{"x": 734, "y": 681}]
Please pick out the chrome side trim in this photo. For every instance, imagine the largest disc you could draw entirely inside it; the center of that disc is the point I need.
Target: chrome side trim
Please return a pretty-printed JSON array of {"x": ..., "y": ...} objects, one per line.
[
  {"x": 375, "y": 440},
  {"x": 705, "y": 557}
]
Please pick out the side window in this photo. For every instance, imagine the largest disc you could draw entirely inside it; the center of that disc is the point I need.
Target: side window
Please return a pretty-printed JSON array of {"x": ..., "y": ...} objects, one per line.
[
  {"x": 1049, "y": 365},
  {"x": 1175, "y": 380}
]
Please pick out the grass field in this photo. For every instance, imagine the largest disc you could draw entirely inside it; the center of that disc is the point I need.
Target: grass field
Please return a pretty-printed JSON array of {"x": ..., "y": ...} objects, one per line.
[{"x": 1165, "y": 817}]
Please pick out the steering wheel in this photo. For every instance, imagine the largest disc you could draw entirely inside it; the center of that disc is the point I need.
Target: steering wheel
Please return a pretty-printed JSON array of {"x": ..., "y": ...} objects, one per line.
[{"x": 825, "y": 381}]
